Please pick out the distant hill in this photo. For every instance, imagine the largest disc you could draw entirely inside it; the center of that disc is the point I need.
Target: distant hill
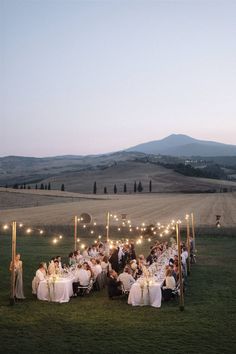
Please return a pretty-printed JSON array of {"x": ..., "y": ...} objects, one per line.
[{"x": 184, "y": 146}]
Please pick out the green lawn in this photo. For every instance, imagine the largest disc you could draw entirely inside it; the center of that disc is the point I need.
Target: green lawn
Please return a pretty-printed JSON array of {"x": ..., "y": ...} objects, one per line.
[{"x": 95, "y": 324}]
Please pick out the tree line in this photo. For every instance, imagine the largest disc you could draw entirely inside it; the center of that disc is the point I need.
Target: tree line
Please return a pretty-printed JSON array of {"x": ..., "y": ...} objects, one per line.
[
  {"x": 137, "y": 187},
  {"x": 41, "y": 186}
]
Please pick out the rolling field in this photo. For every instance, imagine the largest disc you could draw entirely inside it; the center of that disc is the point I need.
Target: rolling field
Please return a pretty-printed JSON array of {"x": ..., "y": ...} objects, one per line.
[{"x": 148, "y": 208}]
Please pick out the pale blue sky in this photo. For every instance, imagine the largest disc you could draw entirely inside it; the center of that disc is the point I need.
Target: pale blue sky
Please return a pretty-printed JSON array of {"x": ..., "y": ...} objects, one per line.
[{"x": 82, "y": 77}]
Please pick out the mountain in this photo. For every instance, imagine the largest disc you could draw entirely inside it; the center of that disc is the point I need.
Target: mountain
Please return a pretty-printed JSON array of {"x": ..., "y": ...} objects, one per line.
[{"x": 183, "y": 145}]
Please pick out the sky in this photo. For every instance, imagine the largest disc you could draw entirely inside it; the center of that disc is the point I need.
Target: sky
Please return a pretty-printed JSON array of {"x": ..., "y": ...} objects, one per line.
[{"x": 89, "y": 77}]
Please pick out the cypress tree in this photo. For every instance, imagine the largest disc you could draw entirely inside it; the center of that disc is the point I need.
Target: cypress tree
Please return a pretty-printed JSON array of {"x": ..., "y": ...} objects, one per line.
[
  {"x": 105, "y": 190},
  {"x": 45, "y": 187},
  {"x": 135, "y": 187},
  {"x": 125, "y": 188},
  {"x": 140, "y": 187},
  {"x": 62, "y": 187},
  {"x": 115, "y": 189},
  {"x": 36, "y": 186},
  {"x": 29, "y": 187},
  {"x": 150, "y": 186},
  {"x": 49, "y": 186},
  {"x": 42, "y": 186},
  {"x": 95, "y": 188}
]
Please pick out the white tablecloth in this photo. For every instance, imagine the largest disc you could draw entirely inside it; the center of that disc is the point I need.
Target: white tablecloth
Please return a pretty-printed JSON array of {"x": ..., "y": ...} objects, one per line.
[
  {"x": 150, "y": 295},
  {"x": 60, "y": 291}
]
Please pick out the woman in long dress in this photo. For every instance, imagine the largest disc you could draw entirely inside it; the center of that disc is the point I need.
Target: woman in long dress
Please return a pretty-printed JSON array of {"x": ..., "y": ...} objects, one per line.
[{"x": 19, "y": 293}]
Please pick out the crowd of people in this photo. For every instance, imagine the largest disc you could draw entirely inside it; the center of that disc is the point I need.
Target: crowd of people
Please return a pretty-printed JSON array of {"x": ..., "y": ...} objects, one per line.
[{"x": 101, "y": 265}]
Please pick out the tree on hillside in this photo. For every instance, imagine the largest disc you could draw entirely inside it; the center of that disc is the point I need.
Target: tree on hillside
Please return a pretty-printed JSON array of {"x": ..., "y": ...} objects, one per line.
[
  {"x": 135, "y": 187},
  {"x": 42, "y": 186},
  {"x": 95, "y": 188},
  {"x": 105, "y": 190},
  {"x": 49, "y": 186},
  {"x": 15, "y": 186},
  {"x": 115, "y": 189},
  {"x": 29, "y": 187},
  {"x": 24, "y": 186},
  {"x": 150, "y": 186},
  {"x": 125, "y": 188},
  {"x": 62, "y": 187},
  {"x": 45, "y": 187},
  {"x": 6, "y": 186},
  {"x": 36, "y": 186},
  {"x": 140, "y": 187}
]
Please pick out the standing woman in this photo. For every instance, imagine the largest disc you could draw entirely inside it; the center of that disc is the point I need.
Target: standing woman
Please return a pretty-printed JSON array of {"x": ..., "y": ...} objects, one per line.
[{"x": 19, "y": 293}]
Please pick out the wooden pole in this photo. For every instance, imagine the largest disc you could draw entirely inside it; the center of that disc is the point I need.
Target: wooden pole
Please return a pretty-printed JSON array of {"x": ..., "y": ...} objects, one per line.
[
  {"x": 13, "y": 256},
  {"x": 75, "y": 233},
  {"x": 193, "y": 231},
  {"x": 188, "y": 245},
  {"x": 108, "y": 225},
  {"x": 181, "y": 296}
]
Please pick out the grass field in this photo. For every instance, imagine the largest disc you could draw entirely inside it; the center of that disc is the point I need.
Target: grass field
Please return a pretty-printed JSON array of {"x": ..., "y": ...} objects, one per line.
[{"x": 95, "y": 324}]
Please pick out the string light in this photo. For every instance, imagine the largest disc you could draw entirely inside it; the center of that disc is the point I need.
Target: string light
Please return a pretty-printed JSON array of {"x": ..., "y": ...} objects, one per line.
[
  {"x": 55, "y": 240},
  {"x": 5, "y": 227},
  {"x": 28, "y": 231}
]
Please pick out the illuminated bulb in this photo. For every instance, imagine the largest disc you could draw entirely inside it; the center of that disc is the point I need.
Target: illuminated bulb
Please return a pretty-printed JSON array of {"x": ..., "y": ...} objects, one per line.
[
  {"x": 130, "y": 230},
  {"x": 5, "y": 227},
  {"x": 28, "y": 230},
  {"x": 92, "y": 232},
  {"x": 81, "y": 219},
  {"x": 143, "y": 224},
  {"x": 111, "y": 215},
  {"x": 60, "y": 237},
  {"x": 154, "y": 233},
  {"x": 95, "y": 241},
  {"x": 129, "y": 221},
  {"x": 110, "y": 247},
  {"x": 160, "y": 235},
  {"x": 84, "y": 226},
  {"x": 149, "y": 240},
  {"x": 82, "y": 246},
  {"x": 20, "y": 225},
  {"x": 118, "y": 229},
  {"x": 94, "y": 223},
  {"x": 166, "y": 232},
  {"x": 55, "y": 241},
  {"x": 78, "y": 239},
  {"x": 115, "y": 216},
  {"x": 99, "y": 236},
  {"x": 152, "y": 228},
  {"x": 137, "y": 228},
  {"x": 41, "y": 232}
]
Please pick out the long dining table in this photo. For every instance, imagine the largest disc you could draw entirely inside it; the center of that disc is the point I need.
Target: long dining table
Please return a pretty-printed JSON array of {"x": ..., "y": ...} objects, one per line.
[{"x": 147, "y": 289}]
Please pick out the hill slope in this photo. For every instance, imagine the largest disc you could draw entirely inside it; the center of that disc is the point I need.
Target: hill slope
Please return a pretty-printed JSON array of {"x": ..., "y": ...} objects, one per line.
[{"x": 183, "y": 145}]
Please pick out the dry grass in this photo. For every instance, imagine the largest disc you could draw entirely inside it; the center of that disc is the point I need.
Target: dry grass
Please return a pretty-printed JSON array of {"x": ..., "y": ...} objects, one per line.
[{"x": 141, "y": 207}]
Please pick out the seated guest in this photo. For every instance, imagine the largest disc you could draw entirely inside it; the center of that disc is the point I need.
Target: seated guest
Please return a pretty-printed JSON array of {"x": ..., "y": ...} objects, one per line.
[
  {"x": 88, "y": 269},
  {"x": 152, "y": 257},
  {"x": 169, "y": 286},
  {"x": 96, "y": 267},
  {"x": 39, "y": 276},
  {"x": 59, "y": 263},
  {"x": 81, "y": 279},
  {"x": 105, "y": 264},
  {"x": 72, "y": 259},
  {"x": 113, "y": 285},
  {"x": 126, "y": 278}
]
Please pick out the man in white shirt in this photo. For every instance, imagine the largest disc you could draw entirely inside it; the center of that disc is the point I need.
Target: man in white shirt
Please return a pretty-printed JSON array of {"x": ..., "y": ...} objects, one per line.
[{"x": 126, "y": 279}]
